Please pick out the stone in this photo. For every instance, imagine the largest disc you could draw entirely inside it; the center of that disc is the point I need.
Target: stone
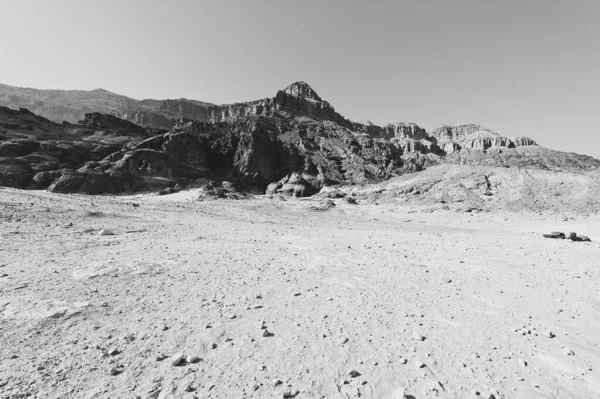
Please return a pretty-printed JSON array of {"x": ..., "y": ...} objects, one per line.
[
  {"x": 160, "y": 357},
  {"x": 266, "y": 333},
  {"x": 106, "y": 232},
  {"x": 418, "y": 337},
  {"x": 419, "y": 364},
  {"x": 555, "y": 234},
  {"x": 114, "y": 371},
  {"x": 277, "y": 382},
  {"x": 177, "y": 359},
  {"x": 522, "y": 363},
  {"x": 548, "y": 334},
  {"x": 192, "y": 359},
  {"x": 568, "y": 351},
  {"x": 402, "y": 360},
  {"x": 353, "y": 373}
]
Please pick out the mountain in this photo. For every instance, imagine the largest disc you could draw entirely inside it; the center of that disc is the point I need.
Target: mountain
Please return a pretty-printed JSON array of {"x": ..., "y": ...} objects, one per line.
[
  {"x": 294, "y": 142},
  {"x": 72, "y": 105}
]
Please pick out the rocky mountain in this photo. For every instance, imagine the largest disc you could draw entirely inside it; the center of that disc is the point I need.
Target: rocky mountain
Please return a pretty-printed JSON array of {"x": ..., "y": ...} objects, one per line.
[
  {"x": 72, "y": 105},
  {"x": 295, "y": 139}
]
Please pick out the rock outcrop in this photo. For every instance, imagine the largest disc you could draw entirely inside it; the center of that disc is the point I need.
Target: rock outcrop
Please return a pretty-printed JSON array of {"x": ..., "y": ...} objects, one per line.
[{"x": 294, "y": 143}]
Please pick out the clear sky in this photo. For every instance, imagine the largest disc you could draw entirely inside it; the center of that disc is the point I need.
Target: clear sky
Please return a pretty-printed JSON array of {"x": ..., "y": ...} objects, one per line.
[{"x": 519, "y": 67}]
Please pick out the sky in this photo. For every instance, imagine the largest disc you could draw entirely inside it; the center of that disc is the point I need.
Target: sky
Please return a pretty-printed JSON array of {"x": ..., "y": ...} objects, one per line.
[{"x": 519, "y": 67}]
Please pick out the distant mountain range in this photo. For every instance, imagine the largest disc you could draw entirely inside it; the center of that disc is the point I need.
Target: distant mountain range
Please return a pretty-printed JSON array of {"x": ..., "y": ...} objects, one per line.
[{"x": 295, "y": 139}]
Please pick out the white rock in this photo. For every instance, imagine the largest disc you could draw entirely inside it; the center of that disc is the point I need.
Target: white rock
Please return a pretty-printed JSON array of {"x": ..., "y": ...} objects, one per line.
[
  {"x": 568, "y": 352},
  {"x": 176, "y": 359},
  {"x": 106, "y": 232}
]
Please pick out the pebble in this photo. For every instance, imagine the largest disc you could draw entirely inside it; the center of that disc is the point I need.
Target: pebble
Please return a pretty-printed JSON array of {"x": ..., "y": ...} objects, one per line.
[
  {"x": 353, "y": 373},
  {"x": 344, "y": 340},
  {"x": 176, "y": 359},
  {"x": 266, "y": 333},
  {"x": 522, "y": 362},
  {"x": 290, "y": 394},
  {"x": 549, "y": 334},
  {"x": 115, "y": 371},
  {"x": 106, "y": 232},
  {"x": 419, "y": 364},
  {"x": 403, "y": 360},
  {"x": 255, "y": 387},
  {"x": 192, "y": 359},
  {"x": 277, "y": 382},
  {"x": 418, "y": 337},
  {"x": 189, "y": 388},
  {"x": 568, "y": 352}
]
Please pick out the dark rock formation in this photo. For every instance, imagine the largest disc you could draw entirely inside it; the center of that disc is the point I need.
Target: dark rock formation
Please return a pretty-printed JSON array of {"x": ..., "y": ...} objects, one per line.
[{"x": 295, "y": 139}]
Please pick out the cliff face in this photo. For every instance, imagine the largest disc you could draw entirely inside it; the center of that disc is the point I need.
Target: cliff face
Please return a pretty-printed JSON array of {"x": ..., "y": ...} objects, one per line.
[{"x": 254, "y": 143}]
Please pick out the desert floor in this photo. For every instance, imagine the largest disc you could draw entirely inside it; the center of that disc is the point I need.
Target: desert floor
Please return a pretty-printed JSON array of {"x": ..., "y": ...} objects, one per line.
[{"x": 438, "y": 304}]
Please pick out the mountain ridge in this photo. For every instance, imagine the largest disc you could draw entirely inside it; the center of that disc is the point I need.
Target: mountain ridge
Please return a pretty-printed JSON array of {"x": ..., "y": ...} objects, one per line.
[{"x": 293, "y": 143}]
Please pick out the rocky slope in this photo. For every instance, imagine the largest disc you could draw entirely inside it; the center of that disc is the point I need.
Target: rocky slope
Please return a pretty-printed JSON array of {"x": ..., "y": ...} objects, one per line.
[
  {"x": 251, "y": 144},
  {"x": 72, "y": 105}
]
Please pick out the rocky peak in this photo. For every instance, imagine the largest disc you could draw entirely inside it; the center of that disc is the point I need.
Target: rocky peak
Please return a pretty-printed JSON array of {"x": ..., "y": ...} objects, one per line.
[{"x": 302, "y": 89}]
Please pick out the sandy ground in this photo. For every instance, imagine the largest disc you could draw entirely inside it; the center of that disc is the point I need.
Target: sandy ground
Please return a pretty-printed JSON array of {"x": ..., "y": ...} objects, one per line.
[{"x": 265, "y": 298}]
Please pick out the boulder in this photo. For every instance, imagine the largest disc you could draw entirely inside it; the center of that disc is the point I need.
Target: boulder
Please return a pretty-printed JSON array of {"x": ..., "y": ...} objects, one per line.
[
  {"x": 273, "y": 187},
  {"x": 294, "y": 185},
  {"x": 83, "y": 183}
]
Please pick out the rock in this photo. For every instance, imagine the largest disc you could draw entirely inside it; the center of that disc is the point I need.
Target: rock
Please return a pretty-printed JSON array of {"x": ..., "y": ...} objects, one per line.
[
  {"x": 189, "y": 388},
  {"x": 192, "y": 359},
  {"x": 418, "y": 337},
  {"x": 168, "y": 190},
  {"x": 113, "y": 352},
  {"x": 353, "y": 373},
  {"x": 160, "y": 357},
  {"x": 266, "y": 333},
  {"x": 522, "y": 363},
  {"x": 572, "y": 236},
  {"x": 548, "y": 334},
  {"x": 277, "y": 382},
  {"x": 419, "y": 364},
  {"x": 568, "y": 351},
  {"x": 177, "y": 359},
  {"x": 115, "y": 371},
  {"x": 555, "y": 234},
  {"x": 402, "y": 360},
  {"x": 106, "y": 232}
]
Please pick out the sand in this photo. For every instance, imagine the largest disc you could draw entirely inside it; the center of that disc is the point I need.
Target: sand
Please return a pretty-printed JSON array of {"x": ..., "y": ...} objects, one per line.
[{"x": 372, "y": 301}]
